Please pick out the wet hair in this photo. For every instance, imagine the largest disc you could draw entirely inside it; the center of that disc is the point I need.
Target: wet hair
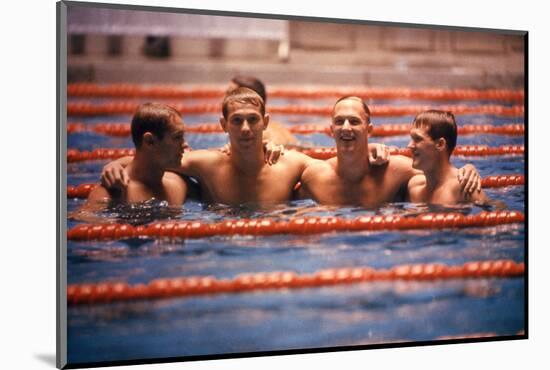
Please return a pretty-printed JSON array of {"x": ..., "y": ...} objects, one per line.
[
  {"x": 242, "y": 95},
  {"x": 252, "y": 83},
  {"x": 439, "y": 124},
  {"x": 154, "y": 118},
  {"x": 365, "y": 107}
]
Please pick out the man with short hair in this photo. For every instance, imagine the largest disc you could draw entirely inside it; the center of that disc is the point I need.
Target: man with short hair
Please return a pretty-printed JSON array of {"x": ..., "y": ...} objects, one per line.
[
  {"x": 276, "y": 132},
  {"x": 243, "y": 176},
  {"x": 158, "y": 135},
  {"x": 433, "y": 139},
  {"x": 350, "y": 178}
]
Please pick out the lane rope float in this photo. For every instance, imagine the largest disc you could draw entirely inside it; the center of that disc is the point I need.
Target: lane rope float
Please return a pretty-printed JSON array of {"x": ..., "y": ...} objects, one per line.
[
  {"x": 383, "y": 130},
  {"x": 75, "y": 155},
  {"x": 462, "y": 150},
  {"x": 196, "y": 92},
  {"x": 298, "y": 225},
  {"x": 199, "y": 285},
  {"x": 498, "y": 181},
  {"x": 129, "y": 107}
]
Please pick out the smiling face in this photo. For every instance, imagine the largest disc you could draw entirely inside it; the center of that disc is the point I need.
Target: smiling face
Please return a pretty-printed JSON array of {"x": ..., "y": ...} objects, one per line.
[
  {"x": 424, "y": 149},
  {"x": 350, "y": 126}
]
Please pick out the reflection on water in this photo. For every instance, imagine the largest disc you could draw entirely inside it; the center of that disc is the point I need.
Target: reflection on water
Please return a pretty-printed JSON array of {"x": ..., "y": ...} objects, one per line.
[{"x": 154, "y": 210}]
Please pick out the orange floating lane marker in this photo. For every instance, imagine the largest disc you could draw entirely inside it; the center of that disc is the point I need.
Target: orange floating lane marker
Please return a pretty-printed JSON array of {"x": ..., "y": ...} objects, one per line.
[
  {"x": 297, "y": 225},
  {"x": 104, "y": 292}
]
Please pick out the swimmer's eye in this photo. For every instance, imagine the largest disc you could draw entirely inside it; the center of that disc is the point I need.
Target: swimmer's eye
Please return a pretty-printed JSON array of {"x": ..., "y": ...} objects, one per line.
[
  {"x": 253, "y": 119},
  {"x": 352, "y": 122},
  {"x": 237, "y": 120},
  {"x": 240, "y": 120}
]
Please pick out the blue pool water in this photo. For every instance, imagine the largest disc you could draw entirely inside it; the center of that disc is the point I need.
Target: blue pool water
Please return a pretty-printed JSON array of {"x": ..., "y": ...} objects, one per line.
[{"x": 366, "y": 313}]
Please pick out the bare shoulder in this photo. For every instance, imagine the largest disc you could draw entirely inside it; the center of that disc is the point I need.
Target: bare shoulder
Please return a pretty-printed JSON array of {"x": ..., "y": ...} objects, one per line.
[
  {"x": 319, "y": 169},
  {"x": 99, "y": 193},
  {"x": 400, "y": 162},
  {"x": 195, "y": 162},
  {"x": 199, "y": 156},
  {"x": 298, "y": 157},
  {"x": 416, "y": 181},
  {"x": 173, "y": 178}
]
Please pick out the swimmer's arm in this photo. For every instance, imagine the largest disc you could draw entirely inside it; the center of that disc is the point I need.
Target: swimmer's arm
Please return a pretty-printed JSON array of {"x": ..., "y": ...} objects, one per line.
[
  {"x": 470, "y": 180},
  {"x": 413, "y": 188},
  {"x": 179, "y": 188},
  {"x": 197, "y": 162},
  {"x": 99, "y": 193},
  {"x": 312, "y": 171},
  {"x": 98, "y": 199},
  {"x": 379, "y": 154},
  {"x": 114, "y": 174},
  {"x": 478, "y": 197}
]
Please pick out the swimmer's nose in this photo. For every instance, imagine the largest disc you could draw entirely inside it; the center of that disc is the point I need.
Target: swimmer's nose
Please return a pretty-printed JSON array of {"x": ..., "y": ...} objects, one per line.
[
  {"x": 245, "y": 126},
  {"x": 346, "y": 125},
  {"x": 410, "y": 145}
]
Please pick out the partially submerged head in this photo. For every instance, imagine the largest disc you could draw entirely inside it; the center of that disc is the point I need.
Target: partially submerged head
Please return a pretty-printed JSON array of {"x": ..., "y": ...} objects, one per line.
[
  {"x": 351, "y": 124},
  {"x": 244, "y": 117},
  {"x": 158, "y": 130},
  {"x": 433, "y": 138},
  {"x": 248, "y": 81}
]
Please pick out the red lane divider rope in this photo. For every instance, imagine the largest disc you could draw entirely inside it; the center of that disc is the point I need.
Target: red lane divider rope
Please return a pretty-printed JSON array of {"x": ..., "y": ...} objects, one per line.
[
  {"x": 179, "y": 92},
  {"x": 127, "y": 107},
  {"x": 298, "y": 225},
  {"x": 123, "y": 129},
  {"x": 499, "y": 181},
  {"x": 198, "y": 285},
  {"x": 465, "y": 150},
  {"x": 75, "y": 155}
]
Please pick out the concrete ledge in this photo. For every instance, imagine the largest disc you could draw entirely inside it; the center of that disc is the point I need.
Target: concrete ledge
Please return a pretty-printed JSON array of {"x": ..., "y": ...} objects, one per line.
[{"x": 201, "y": 71}]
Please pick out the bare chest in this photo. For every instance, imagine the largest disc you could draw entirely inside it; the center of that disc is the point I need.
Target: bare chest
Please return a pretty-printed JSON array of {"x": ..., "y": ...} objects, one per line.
[
  {"x": 138, "y": 192},
  {"x": 228, "y": 186},
  {"x": 369, "y": 192}
]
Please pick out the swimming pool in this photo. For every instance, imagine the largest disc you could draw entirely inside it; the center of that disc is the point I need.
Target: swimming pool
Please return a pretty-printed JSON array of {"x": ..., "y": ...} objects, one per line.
[{"x": 287, "y": 319}]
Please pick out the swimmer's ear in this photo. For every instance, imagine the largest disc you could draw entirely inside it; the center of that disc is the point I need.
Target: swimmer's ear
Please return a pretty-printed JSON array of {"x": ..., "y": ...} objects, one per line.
[
  {"x": 370, "y": 127},
  {"x": 266, "y": 120},
  {"x": 441, "y": 144},
  {"x": 223, "y": 123},
  {"x": 148, "y": 138}
]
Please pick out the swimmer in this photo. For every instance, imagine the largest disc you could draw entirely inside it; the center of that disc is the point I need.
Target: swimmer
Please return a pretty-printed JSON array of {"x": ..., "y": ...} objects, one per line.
[
  {"x": 276, "y": 132},
  {"x": 243, "y": 176},
  {"x": 158, "y": 135},
  {"x": 350, "y": 178},
  {"x": 433, "y": 139}
]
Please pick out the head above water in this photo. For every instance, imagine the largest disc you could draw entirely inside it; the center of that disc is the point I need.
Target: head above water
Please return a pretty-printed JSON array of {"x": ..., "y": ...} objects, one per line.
[
  {"x": 366, "y": 109},
  {"x": 251, "y": 82},
  {"x": 242, "y": 95},
  {"x": 438, "y": 125},
  {"x": 154, "y": 118}
]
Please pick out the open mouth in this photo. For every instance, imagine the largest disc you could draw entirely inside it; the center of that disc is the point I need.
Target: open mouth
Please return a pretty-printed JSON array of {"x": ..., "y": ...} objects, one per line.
[{"x": 347, "y": 138}]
